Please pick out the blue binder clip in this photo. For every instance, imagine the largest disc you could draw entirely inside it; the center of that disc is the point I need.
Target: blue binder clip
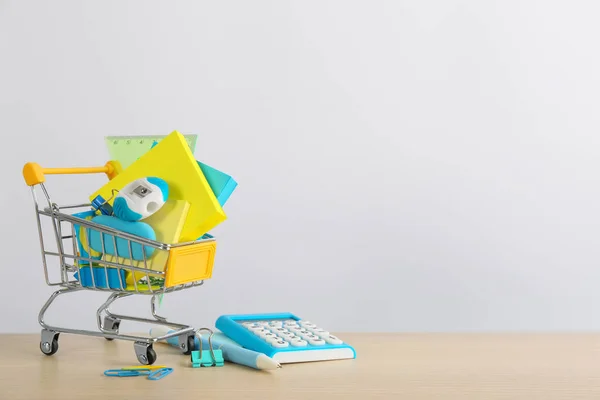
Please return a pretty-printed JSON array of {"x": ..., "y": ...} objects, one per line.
[{"x": 99, "y": 204}]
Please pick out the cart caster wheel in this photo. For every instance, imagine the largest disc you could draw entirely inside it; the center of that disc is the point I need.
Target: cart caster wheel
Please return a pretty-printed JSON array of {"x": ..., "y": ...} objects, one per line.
[
  {"x": 49, "y": 342},
  {"x": 187, "y": 344},
  {"x": 111, "y": 325},
  {"x": 151, "y": 356},
  {"x": 49, "y": 348},
  {"x": 145, "y": 353}
]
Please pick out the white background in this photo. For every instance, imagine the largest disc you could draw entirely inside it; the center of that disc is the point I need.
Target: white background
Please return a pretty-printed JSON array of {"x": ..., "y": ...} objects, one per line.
[{"x": 402, "y": 165}]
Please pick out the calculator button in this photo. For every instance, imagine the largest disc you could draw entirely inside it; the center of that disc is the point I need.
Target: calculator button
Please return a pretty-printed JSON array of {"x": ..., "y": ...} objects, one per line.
[
  {"x": 262, "y": 323},
  {"x": 256, "y": 328},
  {"x": 290, "y": 322},
  {"x": 276, "y": 324},
  {"x": 298, "y": 342},
  {"x": 267, "y": 335},
  {"x": 317, "y": 342},
  {"x": 320, "y": 332},
  {"x": 279, "y": 343},
  {"x": 333, "y": 339},
  {"x": 307, "y": 324},
  {"x": 296, "y": 328},
  {"x": 246, "y": 324},
  {"x": 303, "y": 332},
  {"x": 310, "y": 336},
  {"x": 287, "y": 335},
  {"x": 258, "y": 332},
  {"x": 279, "y": 331}
]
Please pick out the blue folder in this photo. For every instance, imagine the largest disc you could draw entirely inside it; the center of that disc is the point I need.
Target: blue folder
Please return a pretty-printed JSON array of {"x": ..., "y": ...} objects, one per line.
[{"x": 221, "y": 184}]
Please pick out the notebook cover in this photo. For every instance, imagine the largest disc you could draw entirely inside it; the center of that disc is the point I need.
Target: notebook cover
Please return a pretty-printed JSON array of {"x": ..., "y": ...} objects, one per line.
[{"x": 172, "y": 160}]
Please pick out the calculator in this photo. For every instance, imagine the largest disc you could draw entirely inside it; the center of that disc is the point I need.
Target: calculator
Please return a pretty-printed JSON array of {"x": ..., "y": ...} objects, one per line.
[{"x": 284, "y": 337}]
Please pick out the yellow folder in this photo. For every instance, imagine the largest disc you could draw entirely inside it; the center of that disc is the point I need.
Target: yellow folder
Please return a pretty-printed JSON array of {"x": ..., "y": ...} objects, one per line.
[
  {"x": 167, "y": 224},
  {"x": 172, "y": 160}
]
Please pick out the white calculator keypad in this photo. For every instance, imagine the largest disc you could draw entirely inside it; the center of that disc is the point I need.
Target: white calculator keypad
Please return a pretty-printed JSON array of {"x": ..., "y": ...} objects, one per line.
[{"x": 289, "y": 332}]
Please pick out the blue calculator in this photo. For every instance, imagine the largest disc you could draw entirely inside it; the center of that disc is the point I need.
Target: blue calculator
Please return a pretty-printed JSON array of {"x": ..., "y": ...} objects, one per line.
[{"x": 284, "y": 337}]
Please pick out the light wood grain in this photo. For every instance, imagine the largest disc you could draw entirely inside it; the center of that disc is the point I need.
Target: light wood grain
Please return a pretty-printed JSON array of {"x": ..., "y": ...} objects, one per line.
[{"x": 388, "y": 366}]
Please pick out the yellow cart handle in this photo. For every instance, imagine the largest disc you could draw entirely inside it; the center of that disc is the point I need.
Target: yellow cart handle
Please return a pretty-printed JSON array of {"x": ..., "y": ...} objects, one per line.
[{"x": 34, "y": 174}]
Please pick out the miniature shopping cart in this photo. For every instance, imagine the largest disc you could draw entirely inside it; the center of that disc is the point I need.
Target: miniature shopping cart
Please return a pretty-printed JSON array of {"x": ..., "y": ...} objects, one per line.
[{"x": 79, "y": 267}]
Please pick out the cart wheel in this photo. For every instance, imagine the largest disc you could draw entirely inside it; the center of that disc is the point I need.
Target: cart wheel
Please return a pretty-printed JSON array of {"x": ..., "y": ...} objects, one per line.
[
  {"x": 151, "y": 356},
  {"x": 113, "y": 326},
  {"x": 145, "y": 353},
  {"x": 49, "y": 342},
  {"x": 49, "y": 348},
  {"x": 191, "y": 344}
]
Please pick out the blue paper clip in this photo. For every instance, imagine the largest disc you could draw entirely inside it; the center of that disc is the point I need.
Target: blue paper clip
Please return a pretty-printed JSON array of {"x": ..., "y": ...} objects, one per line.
[
  {"x": 159, "y": 374},
  {"x": 124, "y": 372}
]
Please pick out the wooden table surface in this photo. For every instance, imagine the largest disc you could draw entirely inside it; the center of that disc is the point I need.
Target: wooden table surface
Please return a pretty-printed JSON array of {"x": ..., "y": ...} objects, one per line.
[{"x": 388, "y": 366}]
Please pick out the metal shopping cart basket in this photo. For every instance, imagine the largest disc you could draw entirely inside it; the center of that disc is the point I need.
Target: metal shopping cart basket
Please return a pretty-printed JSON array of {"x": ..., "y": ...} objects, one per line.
[{"x": 80, "y": 267}]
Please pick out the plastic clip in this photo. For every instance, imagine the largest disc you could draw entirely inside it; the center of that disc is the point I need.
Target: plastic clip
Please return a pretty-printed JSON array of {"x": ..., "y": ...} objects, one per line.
[
  {"x": 159, "y": 374},
  {"x": 125, "y": 372}
]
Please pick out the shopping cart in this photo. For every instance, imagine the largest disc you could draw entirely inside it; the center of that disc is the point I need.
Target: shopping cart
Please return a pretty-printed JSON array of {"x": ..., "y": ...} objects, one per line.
[{"x": 82, "y": 268}]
